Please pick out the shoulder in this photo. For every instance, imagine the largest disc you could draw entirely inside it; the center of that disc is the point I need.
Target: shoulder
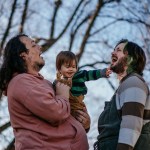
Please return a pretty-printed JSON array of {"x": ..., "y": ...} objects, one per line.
[
  {"x": 79, "y": 73},
  {"x": 20, "y": 85},
  {"x": 23, "y": 84},
  {"x": 133, "y": 82},
  {"x": 22, "y": 78},
  {"x": 26, "y": 81}
]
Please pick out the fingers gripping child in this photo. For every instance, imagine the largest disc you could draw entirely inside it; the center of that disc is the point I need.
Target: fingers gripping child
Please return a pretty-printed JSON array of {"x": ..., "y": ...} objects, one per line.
[{"x": 67, "y": 73}]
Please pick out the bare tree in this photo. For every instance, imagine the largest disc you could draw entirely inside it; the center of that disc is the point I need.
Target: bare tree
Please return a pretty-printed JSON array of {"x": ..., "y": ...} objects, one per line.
[
  {"x": 6, "y": 33},
  {"x": 90, "y": 28},
  {"x": 24, "y": 14}
]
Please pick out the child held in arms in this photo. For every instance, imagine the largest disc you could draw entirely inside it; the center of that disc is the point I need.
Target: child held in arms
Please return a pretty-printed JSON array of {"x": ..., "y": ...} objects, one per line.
[{"x": 67, "y": 72}]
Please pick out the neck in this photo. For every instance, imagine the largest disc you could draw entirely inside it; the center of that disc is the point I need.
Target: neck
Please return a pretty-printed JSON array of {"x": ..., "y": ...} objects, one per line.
[
  {"x": 31, "y": 71},
  {"x": 122, "y": 75}
]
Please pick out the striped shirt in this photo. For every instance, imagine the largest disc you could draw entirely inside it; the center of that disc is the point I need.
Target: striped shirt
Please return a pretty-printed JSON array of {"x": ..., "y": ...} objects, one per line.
[
  {"x": 132, "y": 102},
  {"x": 79, "y": 79}
]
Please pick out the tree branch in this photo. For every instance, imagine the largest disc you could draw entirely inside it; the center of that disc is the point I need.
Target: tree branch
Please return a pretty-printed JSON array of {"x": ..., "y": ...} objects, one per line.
[
  {"x": 73, "y": 33},
  {"x": 70, "y": 20},
  {"x": 93, "y": 64},
  {"x": 11, "y": 145},
  {"x": 111, "y": 85},
  {"x": 8, "y": 26},
  {"x": 5, "y": 126},
  {"x": 87, "y": 33},
  {"x": 104, "y": 27},
  {"x": 23, "y": 16},
  {"x": 50, "y": 41},
  {"x": 57, "y": 6}
]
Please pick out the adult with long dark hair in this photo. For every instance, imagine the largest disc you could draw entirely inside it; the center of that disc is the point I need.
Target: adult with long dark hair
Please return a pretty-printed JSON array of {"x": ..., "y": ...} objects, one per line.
[
  {"x": 39, "y": 115},
  {"x": 125, "y": 122}
]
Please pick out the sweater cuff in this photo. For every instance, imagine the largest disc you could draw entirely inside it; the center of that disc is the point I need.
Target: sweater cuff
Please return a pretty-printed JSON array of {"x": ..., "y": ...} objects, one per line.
[
  {"x": 122, "y": 146},
  {"x": 103, "y": 72},
  {"x": 87, "y": 130}
]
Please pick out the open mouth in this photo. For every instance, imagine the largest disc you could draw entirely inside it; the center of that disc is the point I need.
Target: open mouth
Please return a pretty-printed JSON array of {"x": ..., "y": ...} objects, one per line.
[
  {"x": 70, "y": 74},
  {"x": 40, "y": 55},
  {"x": 114, "y": 59}
]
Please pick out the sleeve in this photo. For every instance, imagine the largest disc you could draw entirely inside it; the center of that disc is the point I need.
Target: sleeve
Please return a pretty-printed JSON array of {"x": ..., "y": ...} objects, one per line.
[
  {"x": 132, "y": 100},
  {"x": 42, "y": 101},
  {"x": 90, "y": 75}
]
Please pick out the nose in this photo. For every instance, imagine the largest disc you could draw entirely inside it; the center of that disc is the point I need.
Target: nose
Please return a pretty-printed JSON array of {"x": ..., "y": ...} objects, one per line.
[
  {"x": 71, "y": 69},
  {"x": 40, "y": 48},
  {"x": 113, "y": 52}
]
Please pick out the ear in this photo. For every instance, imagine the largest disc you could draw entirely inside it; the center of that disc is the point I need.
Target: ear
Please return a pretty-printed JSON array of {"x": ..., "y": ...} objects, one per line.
[{"x": 23, "y": 55}]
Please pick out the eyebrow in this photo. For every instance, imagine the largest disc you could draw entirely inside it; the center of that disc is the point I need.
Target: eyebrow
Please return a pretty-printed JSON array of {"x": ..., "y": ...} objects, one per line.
[{"x": 117, "y": 48}]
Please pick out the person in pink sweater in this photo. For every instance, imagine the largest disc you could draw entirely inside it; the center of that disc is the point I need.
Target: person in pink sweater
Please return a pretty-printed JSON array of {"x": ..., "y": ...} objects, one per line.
[{"x": 39, "y": 115}]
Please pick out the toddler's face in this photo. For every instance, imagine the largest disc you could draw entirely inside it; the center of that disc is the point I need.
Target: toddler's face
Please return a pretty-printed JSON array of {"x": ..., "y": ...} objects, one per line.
[{"x": 68, "y": 69}]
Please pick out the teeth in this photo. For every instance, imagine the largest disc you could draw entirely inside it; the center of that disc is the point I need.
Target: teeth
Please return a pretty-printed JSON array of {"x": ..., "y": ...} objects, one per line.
[
  {"x": 41, "y": 55},
  {"x": 114, "y": 59}
]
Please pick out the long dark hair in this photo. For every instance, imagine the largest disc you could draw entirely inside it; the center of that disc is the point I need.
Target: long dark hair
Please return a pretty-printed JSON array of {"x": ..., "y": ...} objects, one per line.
[
  {"x": 136, "y": 58},
  {"x": 12, "y": 61}
]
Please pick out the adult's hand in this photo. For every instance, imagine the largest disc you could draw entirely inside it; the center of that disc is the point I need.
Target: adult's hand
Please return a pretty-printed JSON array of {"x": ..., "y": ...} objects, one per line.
[
  {"x": 84, "y": 118},
  {"x": 62, "y": 89}
]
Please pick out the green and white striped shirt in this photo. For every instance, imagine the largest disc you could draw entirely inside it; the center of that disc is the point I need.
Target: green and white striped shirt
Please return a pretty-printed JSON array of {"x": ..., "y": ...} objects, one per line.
[{"x": 79, "y": 79}]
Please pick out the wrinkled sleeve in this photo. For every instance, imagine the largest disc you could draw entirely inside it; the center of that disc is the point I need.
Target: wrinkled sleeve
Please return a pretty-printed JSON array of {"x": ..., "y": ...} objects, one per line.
[
  {"x": 42, "y": 102},
  {"x": 132, "y": 99},
  {"x": 90, "y": 75}
]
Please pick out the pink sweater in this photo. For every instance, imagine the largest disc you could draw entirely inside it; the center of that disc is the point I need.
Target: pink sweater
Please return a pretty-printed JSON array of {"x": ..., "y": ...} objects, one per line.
[{"x": 40, "y": 119}]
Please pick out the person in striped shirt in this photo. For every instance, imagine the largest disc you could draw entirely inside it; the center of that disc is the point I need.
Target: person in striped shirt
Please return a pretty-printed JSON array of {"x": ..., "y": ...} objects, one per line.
[
  {"x": 67, "y": 71},
  {"x": 125, "y": 122}
]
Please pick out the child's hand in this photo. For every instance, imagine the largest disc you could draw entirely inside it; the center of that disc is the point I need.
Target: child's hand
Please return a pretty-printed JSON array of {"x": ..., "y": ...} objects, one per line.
[
  {"x": 67, "y": 81},
  {"x": 108, "y": 72}
]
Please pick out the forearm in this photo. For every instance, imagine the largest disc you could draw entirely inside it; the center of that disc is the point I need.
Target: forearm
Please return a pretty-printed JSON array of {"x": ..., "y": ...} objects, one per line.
[
  {"x": 122, "y": 146},
  {"x": 132, "y": 103},
  {"x": 43, "y": 103},
  {"x": 131, "y": 124}
]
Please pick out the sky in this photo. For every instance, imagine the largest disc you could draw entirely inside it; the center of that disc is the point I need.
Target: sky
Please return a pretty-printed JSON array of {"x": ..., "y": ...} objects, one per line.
[{"x": 98, "y": 91}]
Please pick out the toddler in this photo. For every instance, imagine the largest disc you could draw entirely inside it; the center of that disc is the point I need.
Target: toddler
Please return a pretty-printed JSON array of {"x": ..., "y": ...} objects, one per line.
[{"x": 67, "y": 72}]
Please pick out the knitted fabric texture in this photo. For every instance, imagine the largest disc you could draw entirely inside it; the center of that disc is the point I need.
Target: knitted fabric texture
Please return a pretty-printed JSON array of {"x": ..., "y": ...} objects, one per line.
[{"x": 76, "y": 102}]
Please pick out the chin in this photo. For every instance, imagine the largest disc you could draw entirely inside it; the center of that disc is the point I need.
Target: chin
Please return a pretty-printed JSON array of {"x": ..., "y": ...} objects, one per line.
[
  {"x": 112, "y": 66},
  {"x": 42, "y": 62},
  {"x": 69, "y": 76},
  {"x": 39, "y": 65}
]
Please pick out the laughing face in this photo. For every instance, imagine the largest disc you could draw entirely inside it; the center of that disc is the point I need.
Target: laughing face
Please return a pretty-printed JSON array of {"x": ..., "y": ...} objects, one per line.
[
  {"x": 68, "y": 69},
  {"x": 119, "y": 59},
  {"x": 33, "y": 58}
]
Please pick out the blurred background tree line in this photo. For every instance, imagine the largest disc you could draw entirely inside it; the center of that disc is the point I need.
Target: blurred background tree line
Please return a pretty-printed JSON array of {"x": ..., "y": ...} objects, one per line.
[{"x": 89, "y": 28}]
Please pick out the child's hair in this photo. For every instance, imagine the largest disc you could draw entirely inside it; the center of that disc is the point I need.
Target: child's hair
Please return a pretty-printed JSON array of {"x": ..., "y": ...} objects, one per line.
[{"x": 65, "y": 57}]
